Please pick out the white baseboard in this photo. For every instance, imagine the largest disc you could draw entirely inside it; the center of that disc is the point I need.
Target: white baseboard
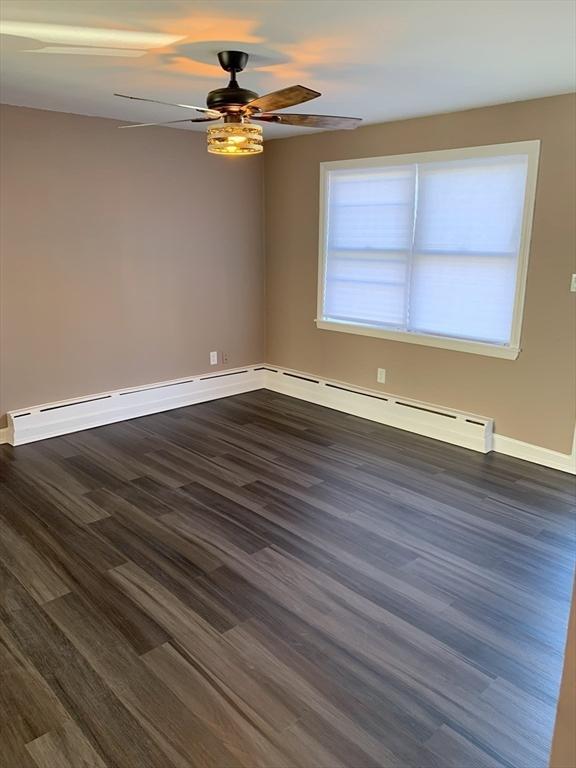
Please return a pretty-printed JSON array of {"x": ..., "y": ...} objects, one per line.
[
  {"x": 455, "y": 427},
  {"x": 566, "y": 462}
]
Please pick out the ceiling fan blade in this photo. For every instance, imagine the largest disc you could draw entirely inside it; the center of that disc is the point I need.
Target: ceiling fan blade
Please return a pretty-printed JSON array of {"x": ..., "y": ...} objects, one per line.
[
  {"x": 310, "y": 121},
  {"x": 286, "y": 97},
  {"x": 214, "y": 113},
  {"x": 171, "y": 122}
]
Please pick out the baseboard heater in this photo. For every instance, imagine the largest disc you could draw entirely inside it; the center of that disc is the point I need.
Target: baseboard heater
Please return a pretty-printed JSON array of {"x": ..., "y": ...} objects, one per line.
[
  {"x": 53, "y": 419},
  {"x": 459, "y": 428}
]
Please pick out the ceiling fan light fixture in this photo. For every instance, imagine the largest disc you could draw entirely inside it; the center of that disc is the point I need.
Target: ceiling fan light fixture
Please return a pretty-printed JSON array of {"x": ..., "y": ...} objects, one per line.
[{"x": 235, "y": 139}]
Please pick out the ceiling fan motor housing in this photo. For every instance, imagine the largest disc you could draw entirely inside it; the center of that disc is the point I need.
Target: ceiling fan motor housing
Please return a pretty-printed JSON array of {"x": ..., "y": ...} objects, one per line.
[{"x": 230, "y": 98}]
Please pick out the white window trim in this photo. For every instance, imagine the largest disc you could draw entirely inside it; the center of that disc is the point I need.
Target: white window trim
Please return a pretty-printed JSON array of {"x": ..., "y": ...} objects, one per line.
[{"x": 509, "y": 351}]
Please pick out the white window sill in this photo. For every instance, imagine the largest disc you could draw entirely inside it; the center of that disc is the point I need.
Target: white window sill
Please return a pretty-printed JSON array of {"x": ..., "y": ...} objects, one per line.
[{"x": 427, "y": 340}]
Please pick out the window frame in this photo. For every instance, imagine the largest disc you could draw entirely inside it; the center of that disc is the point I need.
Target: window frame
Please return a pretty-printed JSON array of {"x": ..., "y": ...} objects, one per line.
[{"x": 508, "y": 351}]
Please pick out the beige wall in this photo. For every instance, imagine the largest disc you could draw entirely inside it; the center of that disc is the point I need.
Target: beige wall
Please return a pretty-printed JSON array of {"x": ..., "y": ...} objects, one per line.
[
  {"x": 564, "y": 742},
  {"x": 127, "y": 256},
  {"x": 531, "y": 398}
]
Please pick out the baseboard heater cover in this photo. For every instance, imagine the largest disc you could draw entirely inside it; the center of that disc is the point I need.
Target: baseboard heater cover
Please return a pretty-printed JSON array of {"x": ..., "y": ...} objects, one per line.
[
  {"x": 456, "y": 427},
  {"x": 53, "y": 419}
]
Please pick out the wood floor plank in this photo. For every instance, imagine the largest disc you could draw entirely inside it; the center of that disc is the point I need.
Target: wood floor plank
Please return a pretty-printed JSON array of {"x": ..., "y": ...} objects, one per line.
[
  {"x": 456, "y": 751},
  {"x": 139, "y": 536},
  {"x": 41, "y": 522},
  {"x": 111, "y": 729},
  {"x": 198, "y": 638},
  {"x": 265, "y": 583},
  {"x": 240, "y": 729},
  {"x": 65, "y": 747},
  {"x": 178, "y": 731},
  {"x": 40, "y": 577},
  {"x": 331, "y": 698},
  {"x": 28, "y": 707}
]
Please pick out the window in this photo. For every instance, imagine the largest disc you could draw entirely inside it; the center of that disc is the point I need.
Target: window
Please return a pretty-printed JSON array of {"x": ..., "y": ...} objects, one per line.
[{"x": 429, "y": 248}]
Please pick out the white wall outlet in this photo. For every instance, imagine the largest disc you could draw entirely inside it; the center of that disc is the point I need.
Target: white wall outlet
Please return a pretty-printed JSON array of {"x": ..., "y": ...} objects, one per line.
[
  {"x": 213, "y": 358},
  {"x": 381, "y": 376},
  {"x": 573, "y": 284}
]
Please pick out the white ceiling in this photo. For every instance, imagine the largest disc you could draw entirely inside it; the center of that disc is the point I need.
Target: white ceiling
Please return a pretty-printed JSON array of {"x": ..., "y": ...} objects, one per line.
[{"x": 376, "y": 59}]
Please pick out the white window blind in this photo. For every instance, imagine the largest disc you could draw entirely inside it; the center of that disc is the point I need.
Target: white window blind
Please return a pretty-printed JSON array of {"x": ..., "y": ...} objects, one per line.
[{"x": 426, "y": 248}]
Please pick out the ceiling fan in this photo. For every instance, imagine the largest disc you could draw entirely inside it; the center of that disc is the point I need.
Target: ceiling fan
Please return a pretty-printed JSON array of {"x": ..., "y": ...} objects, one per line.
[{"x": 238, "y": 107}]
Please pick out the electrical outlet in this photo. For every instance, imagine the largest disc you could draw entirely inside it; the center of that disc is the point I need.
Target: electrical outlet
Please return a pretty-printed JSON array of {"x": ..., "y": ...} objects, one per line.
[
  {"x": 381, "y": 376},
  {"x": 213, "y": 358},
  {"x": 225, "y": 357},
  {"x": 573, "y": 284}
]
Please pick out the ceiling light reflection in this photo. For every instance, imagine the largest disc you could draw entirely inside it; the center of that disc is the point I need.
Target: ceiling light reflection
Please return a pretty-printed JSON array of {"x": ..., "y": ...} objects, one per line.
[{"x": 88, "y": 36}]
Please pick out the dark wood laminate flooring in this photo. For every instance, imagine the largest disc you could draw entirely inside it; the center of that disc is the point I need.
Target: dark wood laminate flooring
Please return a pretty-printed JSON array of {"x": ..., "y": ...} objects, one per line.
[{"x": 261, "y": 582}]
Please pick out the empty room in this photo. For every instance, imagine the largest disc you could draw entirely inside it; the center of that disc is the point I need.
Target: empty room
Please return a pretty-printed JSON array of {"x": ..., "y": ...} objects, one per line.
[{"x": 287, "y": 383}]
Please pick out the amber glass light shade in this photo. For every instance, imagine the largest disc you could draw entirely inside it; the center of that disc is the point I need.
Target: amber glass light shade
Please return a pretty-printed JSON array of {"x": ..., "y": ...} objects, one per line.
[{"x": 235, "y": 139}]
